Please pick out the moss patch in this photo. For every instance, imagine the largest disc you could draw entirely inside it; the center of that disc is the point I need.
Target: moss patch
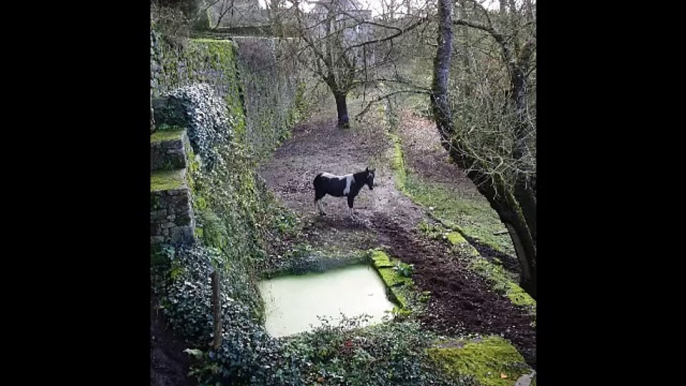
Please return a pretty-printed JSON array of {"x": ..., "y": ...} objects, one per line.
[
  {"x": 166, "y": 135},
  {"x": 167, "y": 180},
  {"x": 519, "y": 297},
  {"x": 384, "y": 264},
  {"x": 392, "y": 278},
  {"x": 493, "y": 361},
  {"x": 457, "y": 240},
  {"x": 398, "y": 293},
  {"x": 380, "y": 259},
  {"x": 399, "y": 286},
  {"x": 397, "y": 163},
  {"x": 498, "y": 278}
]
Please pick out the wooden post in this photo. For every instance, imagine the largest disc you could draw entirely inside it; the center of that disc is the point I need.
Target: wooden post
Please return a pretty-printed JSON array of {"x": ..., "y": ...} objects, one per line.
[{"x": 216, "y": 310}]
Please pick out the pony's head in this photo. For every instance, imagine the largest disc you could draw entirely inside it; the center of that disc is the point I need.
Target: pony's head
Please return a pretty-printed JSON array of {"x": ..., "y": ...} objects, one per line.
[{"x": 370, "y": 177}]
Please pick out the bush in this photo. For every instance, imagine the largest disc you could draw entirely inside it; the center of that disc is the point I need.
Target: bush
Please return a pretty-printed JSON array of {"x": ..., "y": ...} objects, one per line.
[
  {"x": 387, "y": 354},
  {"x": 186, "y": 286},
  {"x": 248, "y": 355}
]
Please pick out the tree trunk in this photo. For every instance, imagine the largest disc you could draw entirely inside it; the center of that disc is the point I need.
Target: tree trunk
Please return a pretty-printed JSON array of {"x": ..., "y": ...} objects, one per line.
[
  {"x": 515, "y": 206},
  {"x": 511, "y": 212},
  {"x": 523, "y": 189},
  {"x": 275, "y": 16},
  {"x": 464, "y": 54},
  {"x": 342, "y": 107},
  {"x": 525, "y": 249},
  {"x": 439, "y": 95}
]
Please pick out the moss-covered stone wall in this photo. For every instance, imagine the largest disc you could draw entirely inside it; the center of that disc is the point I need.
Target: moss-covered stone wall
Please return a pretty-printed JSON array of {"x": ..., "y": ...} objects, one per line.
[
  {"x": 176, "y": 63},
  {"x": 260, "y": 91},
  {"x": 230, "y": 204},
  {"x": 167, "y": 150},
  {"x": 171, "y": 217},
  {"x": 270, "y": 84},
  {"x": 255, "y": 77}
]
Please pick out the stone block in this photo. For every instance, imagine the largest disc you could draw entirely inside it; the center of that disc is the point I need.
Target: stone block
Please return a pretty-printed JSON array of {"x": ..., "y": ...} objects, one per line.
[
  {"x": 156, "y": 239},
  {"x": 182, "y": 234}
]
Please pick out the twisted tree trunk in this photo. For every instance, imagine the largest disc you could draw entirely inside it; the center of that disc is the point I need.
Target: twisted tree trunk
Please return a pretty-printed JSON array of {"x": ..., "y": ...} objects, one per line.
[
  {"x": 516, "y": 206},
  {"x": 342, "y": 108}
]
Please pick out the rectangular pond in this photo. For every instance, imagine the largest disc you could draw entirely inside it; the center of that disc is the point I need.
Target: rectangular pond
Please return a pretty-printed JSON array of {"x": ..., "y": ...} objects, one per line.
[{"x": 294, "y": 302}]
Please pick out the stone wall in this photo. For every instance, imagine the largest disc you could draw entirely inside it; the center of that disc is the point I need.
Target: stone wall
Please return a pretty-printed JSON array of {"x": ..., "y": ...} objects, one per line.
[
  {"x": 171, "y": 216},
  {"x": 269, "y": 80},
  {"x": 168, "y": 151},
  {"x": 176, "y": 63}
]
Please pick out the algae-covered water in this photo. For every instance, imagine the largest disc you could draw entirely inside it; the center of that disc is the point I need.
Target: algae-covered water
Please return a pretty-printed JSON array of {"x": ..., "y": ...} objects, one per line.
[{"x": 294, "y": 302}]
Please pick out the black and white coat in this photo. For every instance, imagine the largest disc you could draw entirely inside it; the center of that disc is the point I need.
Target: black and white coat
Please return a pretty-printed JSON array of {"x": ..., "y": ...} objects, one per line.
[{"x": 348, "y": 185}]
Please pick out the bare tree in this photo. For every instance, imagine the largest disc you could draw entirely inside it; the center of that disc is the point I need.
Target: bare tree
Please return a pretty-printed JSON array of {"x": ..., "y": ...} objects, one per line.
[
  {"x": 343, "y": 46},
  {"x": 225, "y": 7},
  {"x": 487, "y": 124}
]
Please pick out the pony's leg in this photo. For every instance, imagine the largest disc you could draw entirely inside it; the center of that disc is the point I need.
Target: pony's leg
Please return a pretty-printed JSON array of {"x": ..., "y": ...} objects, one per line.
[
  {"x": 350, "y": 206},
  {"x": 318, "y": 204},
  {"x": 318, "y": 196}
]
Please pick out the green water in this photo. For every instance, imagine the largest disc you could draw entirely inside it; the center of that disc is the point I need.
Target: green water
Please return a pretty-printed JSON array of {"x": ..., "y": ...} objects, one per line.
[{"x": 294, "y": 302}]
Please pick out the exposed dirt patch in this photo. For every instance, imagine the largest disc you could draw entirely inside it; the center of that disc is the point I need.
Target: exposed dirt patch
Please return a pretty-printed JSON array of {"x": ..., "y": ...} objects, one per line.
[
  {"x": 461, "y": 300},
  {"x": 319, "y": 146},
  {"x": 169, "y": 366}
]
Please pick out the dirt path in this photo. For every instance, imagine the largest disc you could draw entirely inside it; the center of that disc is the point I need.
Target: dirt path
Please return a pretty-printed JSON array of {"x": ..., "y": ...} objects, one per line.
[{"x": 461, "y": 301}]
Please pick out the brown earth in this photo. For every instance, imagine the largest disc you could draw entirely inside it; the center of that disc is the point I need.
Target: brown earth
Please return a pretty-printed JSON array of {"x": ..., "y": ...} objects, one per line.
[{"x": 169, "y": 366}]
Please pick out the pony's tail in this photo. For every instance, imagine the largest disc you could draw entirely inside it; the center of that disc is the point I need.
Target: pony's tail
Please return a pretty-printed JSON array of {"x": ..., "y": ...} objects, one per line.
[{"x": 317, "y": 179}]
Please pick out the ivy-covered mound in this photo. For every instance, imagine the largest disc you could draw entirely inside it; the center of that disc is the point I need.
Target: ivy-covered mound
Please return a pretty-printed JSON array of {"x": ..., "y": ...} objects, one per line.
[
  {"x": 235, "y": 215},
  {"x": 204, "y": 115}
]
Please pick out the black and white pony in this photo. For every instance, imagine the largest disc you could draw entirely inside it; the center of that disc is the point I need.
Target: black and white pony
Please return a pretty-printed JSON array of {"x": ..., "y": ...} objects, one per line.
[{"x": 348, "y": 185}]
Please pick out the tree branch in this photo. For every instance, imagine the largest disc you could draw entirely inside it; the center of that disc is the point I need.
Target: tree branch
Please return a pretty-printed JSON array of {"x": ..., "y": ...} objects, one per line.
[
  {"x": 379, "y": 99},
  {"x": 387, "y": 38}
]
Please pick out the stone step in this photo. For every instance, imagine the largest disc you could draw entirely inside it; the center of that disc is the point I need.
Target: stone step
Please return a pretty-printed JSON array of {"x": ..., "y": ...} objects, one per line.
[
  {"x": 168, "y": 149},
  {"x": 171, "y": 213}
]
